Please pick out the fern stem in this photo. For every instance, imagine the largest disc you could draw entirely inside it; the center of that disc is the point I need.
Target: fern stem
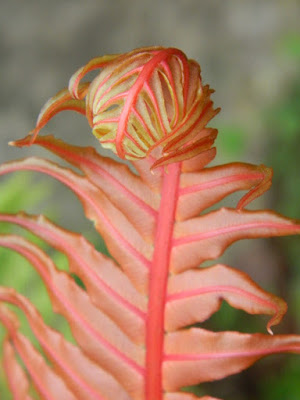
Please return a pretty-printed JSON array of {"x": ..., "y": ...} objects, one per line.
[{"x": 158, "y": 283}]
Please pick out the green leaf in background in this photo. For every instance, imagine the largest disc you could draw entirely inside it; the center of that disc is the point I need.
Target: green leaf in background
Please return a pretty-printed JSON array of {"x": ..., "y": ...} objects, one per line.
[
  {"x": 232, "y": 140},
  {"x": 20, "y": 190},
  {"x": 289, "y": 45},
  {"x": 284, "y": 384}
]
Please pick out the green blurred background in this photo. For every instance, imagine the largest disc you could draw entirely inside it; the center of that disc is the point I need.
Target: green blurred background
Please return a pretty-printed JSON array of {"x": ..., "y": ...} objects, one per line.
[{"x": 249, "y": 53}]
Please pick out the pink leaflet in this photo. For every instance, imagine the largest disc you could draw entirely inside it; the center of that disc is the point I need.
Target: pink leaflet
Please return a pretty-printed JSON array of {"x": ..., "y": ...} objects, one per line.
[
  {"x": 194, "y": 295},
  {"x": 207, "y": 237},
  {"x": 205, "y": 188},
  {"x": 197, "y": 355}
]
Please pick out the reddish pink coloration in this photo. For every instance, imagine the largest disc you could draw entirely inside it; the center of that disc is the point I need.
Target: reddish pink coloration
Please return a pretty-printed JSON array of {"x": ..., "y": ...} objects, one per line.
[
  {"x": 158, "y": 282},
  {"x": 148, "y": 105}
]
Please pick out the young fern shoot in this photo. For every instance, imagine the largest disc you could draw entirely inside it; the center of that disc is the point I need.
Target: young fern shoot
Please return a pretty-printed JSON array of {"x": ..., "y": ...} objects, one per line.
[{"x": 132, "y": 321}]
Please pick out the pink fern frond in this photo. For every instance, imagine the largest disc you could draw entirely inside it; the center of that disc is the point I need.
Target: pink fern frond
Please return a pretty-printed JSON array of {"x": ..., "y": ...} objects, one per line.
[{"x": 131, "y": 321}]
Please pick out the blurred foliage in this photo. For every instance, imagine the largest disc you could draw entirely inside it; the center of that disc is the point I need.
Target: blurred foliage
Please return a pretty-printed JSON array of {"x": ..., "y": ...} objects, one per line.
[
  {"x": 232, "y": 141},
  {"x": 289, "y": 46}
]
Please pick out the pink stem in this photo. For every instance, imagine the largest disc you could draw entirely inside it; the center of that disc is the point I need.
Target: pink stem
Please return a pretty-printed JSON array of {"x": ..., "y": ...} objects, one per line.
[{"x": 158, "y": 283}]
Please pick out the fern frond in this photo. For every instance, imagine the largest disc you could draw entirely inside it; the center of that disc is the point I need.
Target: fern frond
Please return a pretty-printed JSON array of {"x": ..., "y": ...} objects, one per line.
[{"x": 132, "y": 319}]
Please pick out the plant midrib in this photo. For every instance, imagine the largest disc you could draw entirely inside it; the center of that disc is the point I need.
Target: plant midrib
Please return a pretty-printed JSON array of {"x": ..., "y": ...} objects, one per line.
[{"x": 158, "y": 283}]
